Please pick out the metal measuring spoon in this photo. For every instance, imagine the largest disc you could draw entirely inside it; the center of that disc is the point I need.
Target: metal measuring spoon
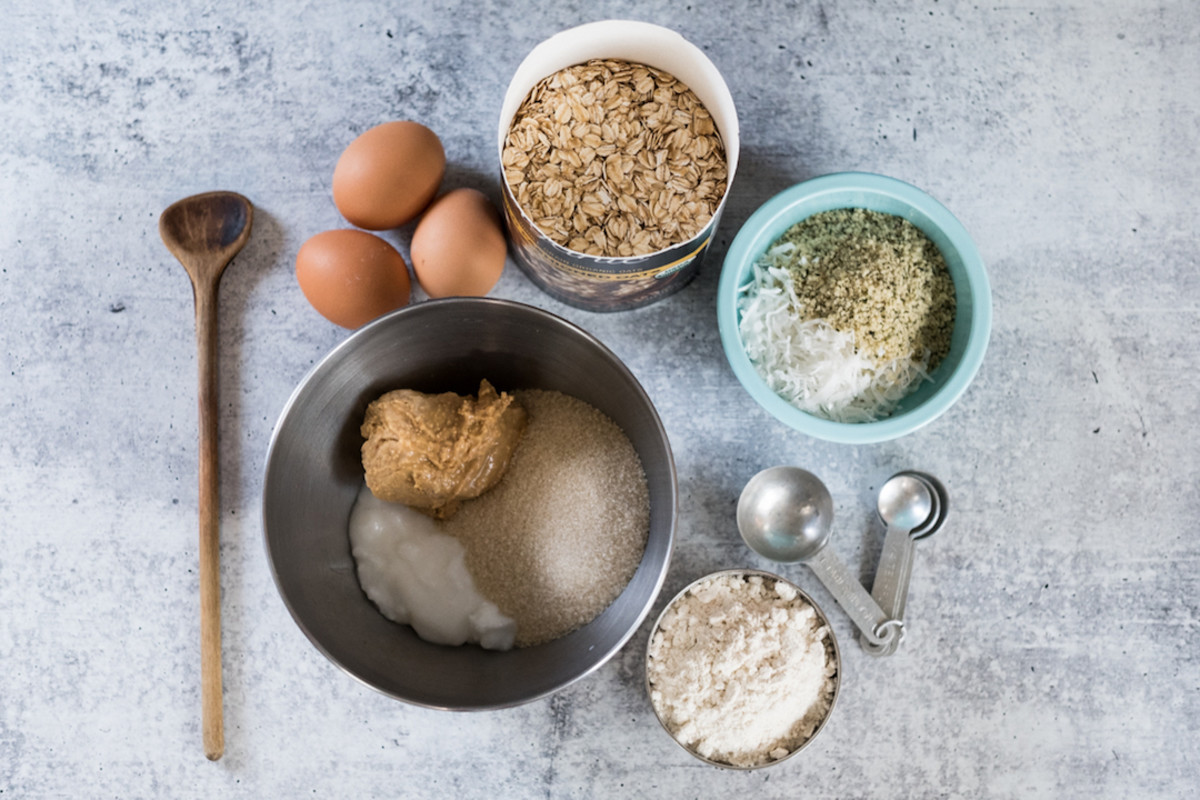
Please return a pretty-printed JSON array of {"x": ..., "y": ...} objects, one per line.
[
  {"x": 941, "y": 505},
  {"x": 786, "y": 514},
  {"x": 913, "y": 505},
  {"x": 905, "y": 503}
]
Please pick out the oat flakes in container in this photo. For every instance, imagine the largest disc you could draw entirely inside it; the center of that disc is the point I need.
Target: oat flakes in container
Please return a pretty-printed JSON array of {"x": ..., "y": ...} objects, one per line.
[{"x": 618, "y": 143}]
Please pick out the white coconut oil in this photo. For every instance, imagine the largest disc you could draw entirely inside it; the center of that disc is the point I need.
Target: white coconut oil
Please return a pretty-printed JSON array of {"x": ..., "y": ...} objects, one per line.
[{"x": 418, "y": 576}]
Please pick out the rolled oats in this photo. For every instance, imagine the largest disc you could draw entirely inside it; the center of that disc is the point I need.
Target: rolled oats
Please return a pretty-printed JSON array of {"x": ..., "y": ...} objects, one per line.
[{"x": 610, "y": 158}]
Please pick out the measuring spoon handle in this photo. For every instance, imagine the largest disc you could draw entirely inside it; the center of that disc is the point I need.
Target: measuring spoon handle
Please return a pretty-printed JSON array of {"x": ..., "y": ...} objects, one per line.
[
  {"x": 895, "y": 566},
  {"x": 852, "y": 597},
  {"x": 906, "y": 568}
]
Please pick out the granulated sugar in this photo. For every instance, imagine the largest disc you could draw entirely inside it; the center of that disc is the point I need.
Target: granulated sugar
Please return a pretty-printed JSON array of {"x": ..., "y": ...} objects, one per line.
[
  {"x": 555, "y": 542},
  {"x": 741, "y": 670}
]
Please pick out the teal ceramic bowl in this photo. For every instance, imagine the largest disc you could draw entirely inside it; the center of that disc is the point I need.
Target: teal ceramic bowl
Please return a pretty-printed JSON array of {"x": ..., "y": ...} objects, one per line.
[{"x": 973, "y": 296}]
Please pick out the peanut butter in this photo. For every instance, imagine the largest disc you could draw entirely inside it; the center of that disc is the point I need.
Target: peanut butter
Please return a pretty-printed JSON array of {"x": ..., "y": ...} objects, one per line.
[{"x": 430, "y": 451}]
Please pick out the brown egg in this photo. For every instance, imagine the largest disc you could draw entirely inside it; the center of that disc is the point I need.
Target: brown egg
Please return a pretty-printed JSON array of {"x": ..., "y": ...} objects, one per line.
[
  {"x": 352, "y": 277},
  {"x": 458, "y": 248},
  {"x": 388, "y": 175}
]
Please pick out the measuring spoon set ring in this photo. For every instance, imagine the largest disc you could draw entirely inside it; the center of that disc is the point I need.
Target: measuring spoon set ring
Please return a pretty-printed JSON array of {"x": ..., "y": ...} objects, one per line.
[{"x": 785, "y": 514}]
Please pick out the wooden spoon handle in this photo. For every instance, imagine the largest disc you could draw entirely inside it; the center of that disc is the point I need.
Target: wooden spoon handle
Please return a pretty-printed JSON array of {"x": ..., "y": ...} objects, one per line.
[{"x": 210, "y": 520}]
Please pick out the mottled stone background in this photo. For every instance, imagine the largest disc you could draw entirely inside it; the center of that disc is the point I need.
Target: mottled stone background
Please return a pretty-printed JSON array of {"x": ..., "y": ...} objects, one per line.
[{"x": 1054, "y": 645}]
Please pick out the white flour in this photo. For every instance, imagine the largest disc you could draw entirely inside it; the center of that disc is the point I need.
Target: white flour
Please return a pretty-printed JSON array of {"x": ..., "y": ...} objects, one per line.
[{"x": 739, "y": 670}]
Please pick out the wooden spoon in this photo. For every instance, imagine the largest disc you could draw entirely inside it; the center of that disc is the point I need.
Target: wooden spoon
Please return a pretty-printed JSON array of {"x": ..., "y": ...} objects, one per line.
[{"x": 205, "y": 232}]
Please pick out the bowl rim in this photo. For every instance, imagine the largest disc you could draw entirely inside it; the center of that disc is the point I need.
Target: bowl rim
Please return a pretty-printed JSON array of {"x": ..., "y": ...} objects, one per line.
[
  {"x": 821, "y": 615},
  {"x": 749, "y": 243},
  {"x": 550, "y": 317}
]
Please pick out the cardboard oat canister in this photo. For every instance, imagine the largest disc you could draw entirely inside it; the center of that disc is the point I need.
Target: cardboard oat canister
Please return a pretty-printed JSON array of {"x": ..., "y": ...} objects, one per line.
[{"x": 613, "y": 283}]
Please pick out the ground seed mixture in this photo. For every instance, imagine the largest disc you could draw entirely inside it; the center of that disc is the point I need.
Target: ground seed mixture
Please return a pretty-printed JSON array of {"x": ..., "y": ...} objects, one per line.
[
  {"x": 555, "y": 542},
  {"x": 877, "y": 275}
]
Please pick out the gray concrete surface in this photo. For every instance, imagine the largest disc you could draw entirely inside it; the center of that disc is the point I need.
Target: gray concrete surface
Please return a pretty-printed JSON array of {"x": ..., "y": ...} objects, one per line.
[{"x": 1054, "y": 645}]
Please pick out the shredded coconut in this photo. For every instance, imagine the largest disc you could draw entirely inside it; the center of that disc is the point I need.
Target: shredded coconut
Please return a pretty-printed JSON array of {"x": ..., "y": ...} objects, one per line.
[
  {"x": 741, "y": 670},
  {"x": 811, "y": 364}
]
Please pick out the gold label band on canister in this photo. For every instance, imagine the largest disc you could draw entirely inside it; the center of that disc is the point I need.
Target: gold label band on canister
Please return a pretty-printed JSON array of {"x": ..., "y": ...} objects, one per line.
[{"x": 601, "y": 284}]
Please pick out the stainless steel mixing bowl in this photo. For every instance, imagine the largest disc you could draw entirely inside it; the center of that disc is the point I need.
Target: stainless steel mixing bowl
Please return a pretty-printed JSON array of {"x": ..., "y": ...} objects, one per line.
[{"x": 314, "y": 470}]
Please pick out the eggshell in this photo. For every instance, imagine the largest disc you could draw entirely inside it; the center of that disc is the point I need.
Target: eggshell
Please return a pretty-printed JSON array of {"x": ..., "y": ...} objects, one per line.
[
  {"x": 458, "y": 248},
  {"x": 388, "y": 175},
  {"x": 351, "y": 277}
]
